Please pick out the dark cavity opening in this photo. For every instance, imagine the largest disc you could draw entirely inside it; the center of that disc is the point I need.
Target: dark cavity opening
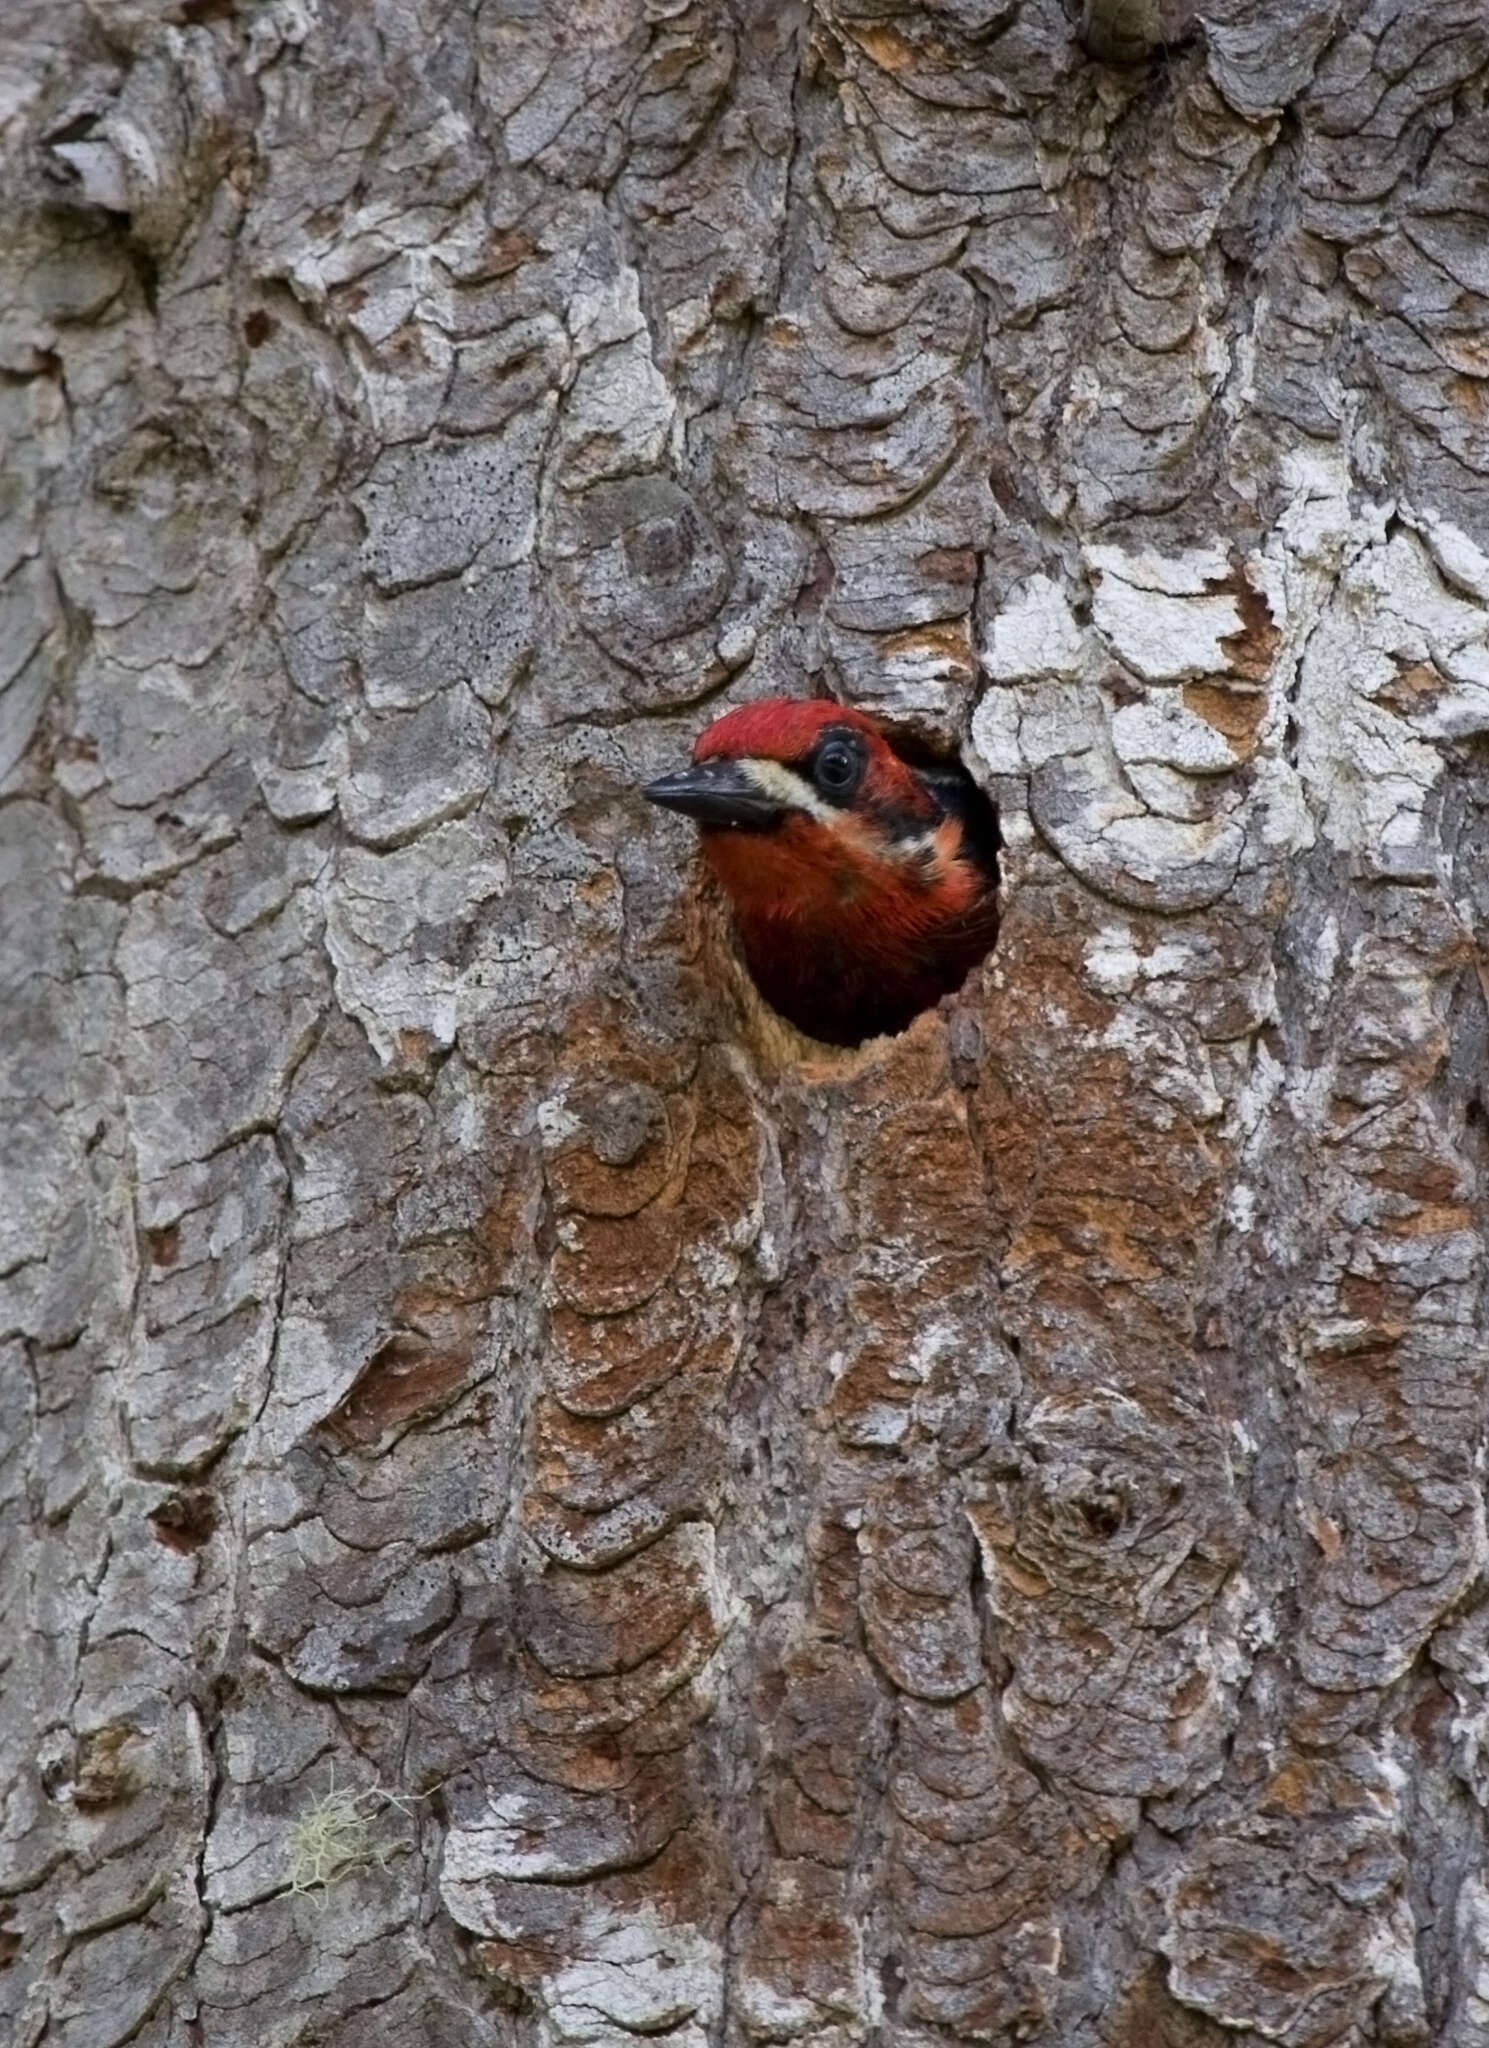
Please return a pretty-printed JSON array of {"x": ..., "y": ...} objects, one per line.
[
  {"x": 185, "y": 1521},
  {"x": 957, "y": 786}
]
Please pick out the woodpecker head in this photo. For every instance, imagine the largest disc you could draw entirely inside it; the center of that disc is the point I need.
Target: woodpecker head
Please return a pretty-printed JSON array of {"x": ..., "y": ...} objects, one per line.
[{"x": 863, "y": 875}]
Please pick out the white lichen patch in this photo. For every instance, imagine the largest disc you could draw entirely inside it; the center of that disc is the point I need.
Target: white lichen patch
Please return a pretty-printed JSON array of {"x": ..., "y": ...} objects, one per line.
[
  {"x": 636, "y": 1973},
  {"x": 1177, "y": 1070},
  {"x": 1165, "y": 732},
  {"x": 387, "y": 977},
  {"x": 1458, "y": 558},
  {"x": 1398, "y": 662},
  {"x": 1160, "y": 615},
  {"x": 1036, "y": 634},
  {"x": 628, "y": 1970},
  {"x": 618, "y": 417},
  {"x": 1113, "y": 963}
]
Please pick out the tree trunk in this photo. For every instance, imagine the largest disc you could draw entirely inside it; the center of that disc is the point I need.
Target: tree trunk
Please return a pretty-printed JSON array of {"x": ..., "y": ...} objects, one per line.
[{"x": 537, "y": 1509}]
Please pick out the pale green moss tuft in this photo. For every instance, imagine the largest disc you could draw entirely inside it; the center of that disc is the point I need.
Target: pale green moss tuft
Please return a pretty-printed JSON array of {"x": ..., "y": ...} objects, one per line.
[{"x": 337, "y": 1834}]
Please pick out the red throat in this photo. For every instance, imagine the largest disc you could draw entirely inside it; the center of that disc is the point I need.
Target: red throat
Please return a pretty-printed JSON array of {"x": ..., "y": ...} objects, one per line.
[
  {"x": 810, "y": 877},
  {"x": 845, "y": 944}
]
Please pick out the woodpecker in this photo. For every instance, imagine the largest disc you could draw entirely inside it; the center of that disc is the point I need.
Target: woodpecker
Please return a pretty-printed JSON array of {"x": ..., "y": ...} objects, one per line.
[{"x": 863, "y": 877}]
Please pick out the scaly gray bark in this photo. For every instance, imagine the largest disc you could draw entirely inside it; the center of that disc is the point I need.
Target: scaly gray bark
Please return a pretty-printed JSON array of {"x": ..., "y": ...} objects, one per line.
[{"x": 978, "y": 1539}]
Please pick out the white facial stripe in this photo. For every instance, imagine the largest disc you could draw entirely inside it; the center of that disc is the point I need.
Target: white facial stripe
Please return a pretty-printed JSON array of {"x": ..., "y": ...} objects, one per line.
[{"x": 774, "y": 779}]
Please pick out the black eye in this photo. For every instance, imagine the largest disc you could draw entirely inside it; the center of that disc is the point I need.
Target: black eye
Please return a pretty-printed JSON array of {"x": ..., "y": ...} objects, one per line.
[{"x": 838, "y": 768}]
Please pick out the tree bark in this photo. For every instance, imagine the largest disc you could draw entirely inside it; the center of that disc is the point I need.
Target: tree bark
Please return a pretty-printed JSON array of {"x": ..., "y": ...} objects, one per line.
[{"x": 536, "y": 1509}]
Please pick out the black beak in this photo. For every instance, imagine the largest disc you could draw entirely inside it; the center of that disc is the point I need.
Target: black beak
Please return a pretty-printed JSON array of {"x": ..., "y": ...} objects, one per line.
[{"x": 717, "y": 793}]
